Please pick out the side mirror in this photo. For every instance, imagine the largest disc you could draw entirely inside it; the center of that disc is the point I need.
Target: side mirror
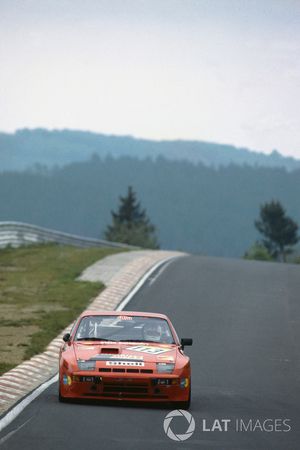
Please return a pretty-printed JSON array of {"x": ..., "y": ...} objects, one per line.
[
  {"x": 186, "y": 341},
  {"x": 66, "y": 337}
]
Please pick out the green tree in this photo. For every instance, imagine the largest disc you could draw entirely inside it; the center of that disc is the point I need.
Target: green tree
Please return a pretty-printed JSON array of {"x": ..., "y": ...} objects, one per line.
[
  {"x": 258, "y": 252},
  {"x": 279, "y": 230},
  {"x": 130, "y": 224}
]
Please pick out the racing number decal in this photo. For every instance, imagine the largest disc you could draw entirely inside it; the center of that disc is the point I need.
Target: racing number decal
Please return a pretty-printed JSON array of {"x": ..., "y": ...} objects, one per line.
[{"x": 149, "y": 349}]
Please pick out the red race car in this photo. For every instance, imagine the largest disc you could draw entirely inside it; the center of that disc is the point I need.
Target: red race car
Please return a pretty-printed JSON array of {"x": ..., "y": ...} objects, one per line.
[{"x": 115, "y": 355}]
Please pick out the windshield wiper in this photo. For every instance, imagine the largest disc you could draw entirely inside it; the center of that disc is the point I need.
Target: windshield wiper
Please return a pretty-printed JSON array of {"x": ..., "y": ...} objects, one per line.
[{"x": 94, "y": 339}]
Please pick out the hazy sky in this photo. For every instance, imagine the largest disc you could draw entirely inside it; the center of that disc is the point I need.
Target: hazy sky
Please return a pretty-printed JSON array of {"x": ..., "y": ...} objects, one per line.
[{"x": 219, "y": 70}]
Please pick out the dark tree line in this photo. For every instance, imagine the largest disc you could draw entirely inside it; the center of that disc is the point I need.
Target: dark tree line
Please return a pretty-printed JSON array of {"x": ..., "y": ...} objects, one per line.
[
  {"x": 26, "y": 147},
  {"x": 194, "y": 208}
]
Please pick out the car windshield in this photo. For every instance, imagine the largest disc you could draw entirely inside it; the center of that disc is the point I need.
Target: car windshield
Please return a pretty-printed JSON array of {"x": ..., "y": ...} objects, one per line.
[{"x": 124, "y": 328}]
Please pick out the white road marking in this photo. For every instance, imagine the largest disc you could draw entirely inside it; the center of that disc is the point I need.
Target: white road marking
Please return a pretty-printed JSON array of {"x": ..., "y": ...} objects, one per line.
[
  {"x": 164, "y": 267},
  {"x": 13, "y": 413},
  {"x": 141, "y": 282},
  {"x": 13, "y": 431}
]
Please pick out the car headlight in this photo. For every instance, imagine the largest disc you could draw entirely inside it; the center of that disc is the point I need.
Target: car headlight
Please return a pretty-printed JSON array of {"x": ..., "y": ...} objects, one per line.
[
  {"x": 86, "y": 365},
  {"x": 165, "y": 367}
]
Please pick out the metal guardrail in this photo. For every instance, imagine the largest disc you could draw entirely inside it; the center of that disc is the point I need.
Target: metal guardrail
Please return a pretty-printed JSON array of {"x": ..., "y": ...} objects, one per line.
[{"x": 17, "y": 234}]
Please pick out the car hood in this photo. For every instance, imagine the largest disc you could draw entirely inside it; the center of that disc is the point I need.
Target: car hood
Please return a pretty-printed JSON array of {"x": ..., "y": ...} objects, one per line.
[{"x": 146, "y": 352}]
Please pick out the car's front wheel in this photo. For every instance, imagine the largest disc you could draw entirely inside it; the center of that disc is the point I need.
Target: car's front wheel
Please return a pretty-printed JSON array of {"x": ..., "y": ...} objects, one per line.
[
  {"x": 61, "y": 398},
  {"x": 187, "y": 403}
]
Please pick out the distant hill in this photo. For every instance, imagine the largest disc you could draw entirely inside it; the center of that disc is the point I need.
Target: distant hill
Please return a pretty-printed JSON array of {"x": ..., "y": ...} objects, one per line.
[
  {"x": 195, "y": 208},
  {"x": 26, "y": 148}
]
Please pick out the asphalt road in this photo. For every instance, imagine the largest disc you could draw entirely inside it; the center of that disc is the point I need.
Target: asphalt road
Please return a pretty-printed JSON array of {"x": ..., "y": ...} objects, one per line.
[{"x": 244, "y": 318}]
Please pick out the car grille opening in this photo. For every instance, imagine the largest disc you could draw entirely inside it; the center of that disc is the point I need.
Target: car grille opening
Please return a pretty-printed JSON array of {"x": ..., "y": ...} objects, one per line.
[
  {"x": 92, "y": 394},
  {"x": 125, "y": 389},
  {"x": 125, "y": 386}
]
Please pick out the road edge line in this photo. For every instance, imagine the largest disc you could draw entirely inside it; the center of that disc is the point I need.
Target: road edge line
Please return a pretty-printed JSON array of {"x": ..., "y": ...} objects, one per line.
[
  {"x": 142, "y": 281},
  {"x": 16, "y": 410}
]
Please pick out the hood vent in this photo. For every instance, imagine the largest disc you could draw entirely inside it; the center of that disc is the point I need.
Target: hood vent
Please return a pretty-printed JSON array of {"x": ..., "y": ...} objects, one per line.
[{"x": 114, "y": 351}]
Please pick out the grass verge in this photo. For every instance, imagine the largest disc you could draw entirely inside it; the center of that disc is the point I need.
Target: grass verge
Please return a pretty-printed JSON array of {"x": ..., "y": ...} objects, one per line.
[{"x": 39, "y": 296}]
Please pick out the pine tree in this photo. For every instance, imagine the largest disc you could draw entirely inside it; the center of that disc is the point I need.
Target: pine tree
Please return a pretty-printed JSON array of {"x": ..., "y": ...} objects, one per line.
[
  {"x": 279, "y": 230},
  {"x": 130, "y": 224}
]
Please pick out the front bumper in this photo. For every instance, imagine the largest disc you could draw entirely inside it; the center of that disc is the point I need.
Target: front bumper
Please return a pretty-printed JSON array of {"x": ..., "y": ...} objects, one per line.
[{"x": 154, "y": 388}]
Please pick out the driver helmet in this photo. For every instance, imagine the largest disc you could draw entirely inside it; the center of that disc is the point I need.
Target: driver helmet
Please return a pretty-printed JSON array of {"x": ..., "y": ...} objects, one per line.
[{"x": 153, "y": 331}]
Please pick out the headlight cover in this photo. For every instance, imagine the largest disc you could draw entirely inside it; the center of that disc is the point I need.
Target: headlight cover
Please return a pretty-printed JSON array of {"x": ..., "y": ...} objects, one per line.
[
  {"x": 165, "y": 367},
  {"x": 86, "y": 365}
]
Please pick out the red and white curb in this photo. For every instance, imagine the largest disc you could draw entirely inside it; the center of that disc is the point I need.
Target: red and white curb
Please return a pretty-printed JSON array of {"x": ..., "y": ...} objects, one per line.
[{"x": 35, "y": 375}]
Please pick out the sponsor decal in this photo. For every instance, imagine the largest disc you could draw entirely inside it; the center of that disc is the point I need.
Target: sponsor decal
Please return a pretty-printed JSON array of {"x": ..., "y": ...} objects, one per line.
[
  {"x": 88, "y": 347},
  {"x": 125, "y": 356},
  {"x": 111, "y": 357},
  {"x": 67, "y": 380},
  {"x": 166, "y": 358},
  {"x": 184, "y": 383},
  {"x": 149, "y": 349},
  {"x": 124, "y": 318},
  {"x": 124, "y": 363}
]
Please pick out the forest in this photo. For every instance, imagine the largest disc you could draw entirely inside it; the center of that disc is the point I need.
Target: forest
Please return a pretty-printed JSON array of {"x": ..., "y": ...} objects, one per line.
[{"x": 194, "y": 208}]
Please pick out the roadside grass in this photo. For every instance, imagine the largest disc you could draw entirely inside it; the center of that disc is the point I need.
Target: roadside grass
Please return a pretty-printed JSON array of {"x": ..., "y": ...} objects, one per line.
[{"x": 39, "y": 296}]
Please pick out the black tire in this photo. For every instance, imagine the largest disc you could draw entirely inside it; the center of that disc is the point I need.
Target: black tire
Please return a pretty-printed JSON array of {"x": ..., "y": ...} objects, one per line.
[
  {"x": 185, "y": 405},
  {"x": 61, "y": 399}
]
